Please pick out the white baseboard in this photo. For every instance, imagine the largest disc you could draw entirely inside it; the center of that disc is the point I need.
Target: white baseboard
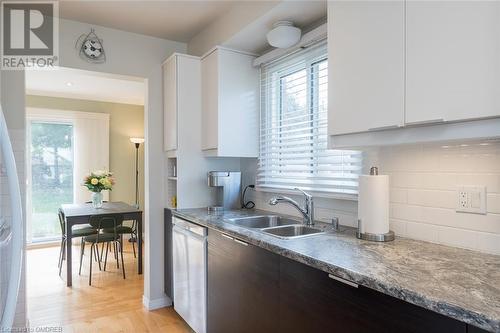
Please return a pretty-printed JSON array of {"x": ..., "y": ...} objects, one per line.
[{"x": 156, "y": 303}]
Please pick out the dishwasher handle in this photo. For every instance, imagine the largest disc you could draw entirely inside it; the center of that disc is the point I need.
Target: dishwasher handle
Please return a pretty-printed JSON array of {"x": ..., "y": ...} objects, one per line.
[
  {"x": 188, "y": 233},
  {"x": 190, "y": 227}
]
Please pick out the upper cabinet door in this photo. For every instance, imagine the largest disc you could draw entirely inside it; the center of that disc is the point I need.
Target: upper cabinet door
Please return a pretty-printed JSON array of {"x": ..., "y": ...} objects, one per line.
[
  {"x": 230, "y": 104},
  {"x": 170, "y": 104},
  {"x": 366, "y": 66},
  {"x": 209, "y": 101},
  {"x": 238, "y": 105},
  {"x": 453, "y": 60}
]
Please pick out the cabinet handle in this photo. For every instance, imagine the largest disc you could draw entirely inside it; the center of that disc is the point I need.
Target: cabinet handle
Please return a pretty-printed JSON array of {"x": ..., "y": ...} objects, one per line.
[
  {"x": 240, "y": 242},
  {"x": 425, "y": 122},
  {"x": 344, "y": 281},
  {"x": 381, "y": 128},
  {"x": 226, "y": 236}
]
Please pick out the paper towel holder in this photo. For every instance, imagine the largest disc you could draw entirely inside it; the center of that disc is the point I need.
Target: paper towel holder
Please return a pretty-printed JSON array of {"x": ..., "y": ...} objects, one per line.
[{"x": 387, "y": 237}]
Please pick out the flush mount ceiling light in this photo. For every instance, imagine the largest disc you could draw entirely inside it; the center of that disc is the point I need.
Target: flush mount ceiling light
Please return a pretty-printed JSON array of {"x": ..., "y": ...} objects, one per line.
[{"x": 283, "y": 35}]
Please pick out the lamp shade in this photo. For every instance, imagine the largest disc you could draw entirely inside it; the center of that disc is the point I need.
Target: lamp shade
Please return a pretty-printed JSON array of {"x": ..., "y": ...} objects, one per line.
[
  {"x": 137, "y": 140},
  {"x": 283, "y": 35}
]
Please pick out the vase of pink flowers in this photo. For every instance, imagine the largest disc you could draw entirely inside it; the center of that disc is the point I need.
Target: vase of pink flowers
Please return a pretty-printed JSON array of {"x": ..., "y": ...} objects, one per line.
[{"x": 97, "y": 182}]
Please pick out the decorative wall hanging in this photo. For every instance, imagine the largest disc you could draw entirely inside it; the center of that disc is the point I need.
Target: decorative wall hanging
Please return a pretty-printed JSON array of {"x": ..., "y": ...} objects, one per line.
[{"x": 90, "y": 48}]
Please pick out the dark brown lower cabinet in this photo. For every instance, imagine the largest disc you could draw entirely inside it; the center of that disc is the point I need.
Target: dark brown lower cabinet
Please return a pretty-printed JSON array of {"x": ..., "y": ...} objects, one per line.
[
  {"x": 256, "y": 291},
  {"x": 243, "y": 281},
  {"x": 473, "y": 329},
  {"x": 310, "y": 301}
]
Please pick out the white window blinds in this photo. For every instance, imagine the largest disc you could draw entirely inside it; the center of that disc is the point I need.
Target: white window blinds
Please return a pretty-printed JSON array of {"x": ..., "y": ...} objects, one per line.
[{"x": 293, "y": 130}]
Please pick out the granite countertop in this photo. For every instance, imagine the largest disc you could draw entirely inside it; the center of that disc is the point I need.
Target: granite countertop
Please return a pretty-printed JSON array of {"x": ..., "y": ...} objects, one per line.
[{"x": 458, "y": 283}]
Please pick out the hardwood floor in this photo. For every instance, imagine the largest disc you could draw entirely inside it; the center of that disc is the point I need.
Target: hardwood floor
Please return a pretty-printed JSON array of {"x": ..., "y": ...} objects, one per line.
[{"x": 111, "y": 304}]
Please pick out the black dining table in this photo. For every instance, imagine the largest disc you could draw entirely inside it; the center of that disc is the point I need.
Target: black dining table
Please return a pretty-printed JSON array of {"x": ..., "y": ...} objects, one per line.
[{"x": 80, "y": 214}]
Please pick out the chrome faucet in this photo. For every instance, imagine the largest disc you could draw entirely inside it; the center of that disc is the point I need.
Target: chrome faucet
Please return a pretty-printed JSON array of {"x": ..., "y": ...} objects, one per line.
[{"x": 308, "y": 210}]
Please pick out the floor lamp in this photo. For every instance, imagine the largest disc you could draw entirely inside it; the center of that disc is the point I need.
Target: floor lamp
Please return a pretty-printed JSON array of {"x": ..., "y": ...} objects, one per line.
[{"x": 137, "y": 142}]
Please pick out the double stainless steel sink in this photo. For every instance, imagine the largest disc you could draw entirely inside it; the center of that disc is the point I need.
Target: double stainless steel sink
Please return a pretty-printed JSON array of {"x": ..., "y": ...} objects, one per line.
[{"x": 277, "y": 226}]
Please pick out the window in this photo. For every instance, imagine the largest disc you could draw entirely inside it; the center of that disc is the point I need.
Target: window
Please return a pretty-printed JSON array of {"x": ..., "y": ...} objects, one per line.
[
  {"x": 51, "y": 177},
  {"x": 293, "y": 130},
  {"x": 63, "y": 147}
]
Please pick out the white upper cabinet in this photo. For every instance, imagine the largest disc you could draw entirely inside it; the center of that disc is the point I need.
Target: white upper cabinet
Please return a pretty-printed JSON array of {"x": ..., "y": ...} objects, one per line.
[
  {"x": 453, "y": 60},
  {"x": 230, "y": 104},
  {"x": 210, "y": 100},
  {"x": 170, "y": 103},
  {"x": 398, "y": 67},
  {"x": 181, "y": 97},
  {"x": 366, "y": 66}
]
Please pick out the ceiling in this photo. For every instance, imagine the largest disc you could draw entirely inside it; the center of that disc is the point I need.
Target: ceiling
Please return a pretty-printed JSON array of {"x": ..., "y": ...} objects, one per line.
[
  {"x": 181, "y": 20},
  {"x": 173, "y": 20},
  {"x": 78, "y": 84}
]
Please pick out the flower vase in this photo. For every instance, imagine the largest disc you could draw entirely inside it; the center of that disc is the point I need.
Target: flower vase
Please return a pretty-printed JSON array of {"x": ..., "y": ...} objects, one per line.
[{"x": 97, "y": 199}]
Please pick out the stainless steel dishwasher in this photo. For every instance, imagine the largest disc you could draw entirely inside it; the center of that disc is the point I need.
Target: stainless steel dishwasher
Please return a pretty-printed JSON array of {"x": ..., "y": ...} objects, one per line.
[{"x": 190, "y": 273}]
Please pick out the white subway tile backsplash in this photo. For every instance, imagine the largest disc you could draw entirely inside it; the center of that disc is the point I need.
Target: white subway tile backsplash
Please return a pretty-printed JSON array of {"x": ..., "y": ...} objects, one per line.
[
  {"x": 491, "y": 181},
  {"x": 326, "y": 215},
  {"x": 458, "y": 237},
  {"x": 459, "y": 162},
  {"x": 488, "y": 242},
  {"x": 405, "y": 180},
  {"x": 398, "y": 195},
  {"x": 493, "y": 203},
  {"x": 428, "y": 159},
  {"x": 406, "y": 212},
  {"x": 398, "y": 226},
  {"x": 421, "y": 231},
  {"x": 424, "y": 181},
  {"x": 432, "y": 198},
  {"x": 450, "y": 218},
  {"x": 439, "y": 181}
]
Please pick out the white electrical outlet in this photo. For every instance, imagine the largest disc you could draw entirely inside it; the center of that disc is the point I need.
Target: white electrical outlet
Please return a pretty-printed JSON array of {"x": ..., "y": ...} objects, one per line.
[{"x": 471, "y": 199}]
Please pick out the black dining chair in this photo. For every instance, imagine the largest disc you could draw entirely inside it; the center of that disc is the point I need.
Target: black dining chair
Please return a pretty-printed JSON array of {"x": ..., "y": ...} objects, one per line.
[
  {"x": 126, "y": 230},
  {"x": 110, "y": 223},
  {"x": 123, "y": 230},
  {"x": 81, "y": 231}
]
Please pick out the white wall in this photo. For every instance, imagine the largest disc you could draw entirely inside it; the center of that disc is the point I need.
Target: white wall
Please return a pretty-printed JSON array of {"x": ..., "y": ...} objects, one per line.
[
  {"x": 141, "y": 56},
  {"x": 132, "y": 55},
  {"x": 126, "y": 53}
]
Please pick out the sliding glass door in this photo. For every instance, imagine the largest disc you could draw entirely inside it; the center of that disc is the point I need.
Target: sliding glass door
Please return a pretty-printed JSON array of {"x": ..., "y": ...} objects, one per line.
[{"x": 51, "y": 179}]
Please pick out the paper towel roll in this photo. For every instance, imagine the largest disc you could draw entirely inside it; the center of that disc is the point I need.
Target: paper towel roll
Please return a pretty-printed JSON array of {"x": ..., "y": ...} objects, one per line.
[{"x": 373, "y": 204}]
